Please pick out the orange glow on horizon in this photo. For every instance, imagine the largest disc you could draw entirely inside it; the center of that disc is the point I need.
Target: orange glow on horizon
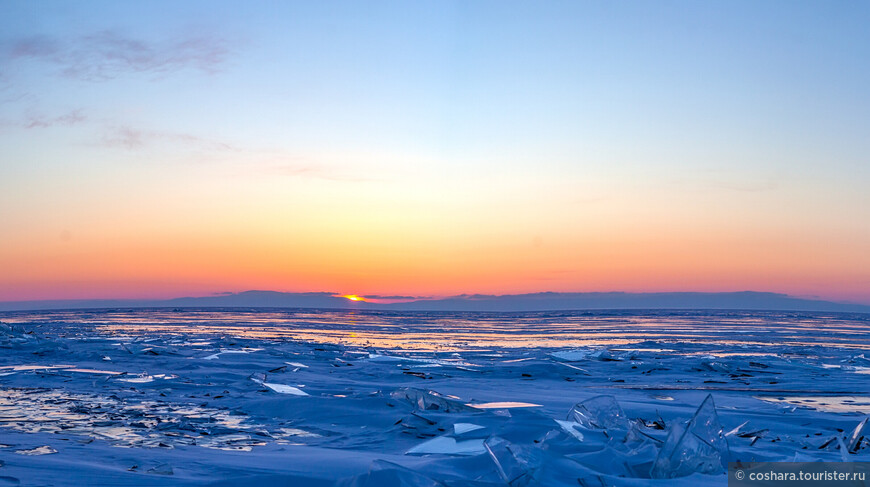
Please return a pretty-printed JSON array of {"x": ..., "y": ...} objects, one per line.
[{"x": 424, "y": 248}]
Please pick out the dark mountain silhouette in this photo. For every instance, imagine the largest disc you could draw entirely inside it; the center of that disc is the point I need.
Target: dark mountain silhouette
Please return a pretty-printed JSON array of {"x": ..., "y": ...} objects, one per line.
[
  {"x": 545, "y": 301},
  {"x": 746, "y": 300}
]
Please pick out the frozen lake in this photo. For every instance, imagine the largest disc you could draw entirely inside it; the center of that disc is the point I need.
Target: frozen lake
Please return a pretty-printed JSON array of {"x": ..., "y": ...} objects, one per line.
[{"x": 307, "y": 397}]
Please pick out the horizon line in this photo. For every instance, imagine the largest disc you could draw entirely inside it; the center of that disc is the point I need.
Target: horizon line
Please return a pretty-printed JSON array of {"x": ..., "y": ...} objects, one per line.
[{"x": 534, "y": 301}]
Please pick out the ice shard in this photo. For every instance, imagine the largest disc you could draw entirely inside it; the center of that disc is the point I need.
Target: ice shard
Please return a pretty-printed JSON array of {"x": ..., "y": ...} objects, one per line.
[
  {"x": 387, "y": 474},
  {"x": 857, "y": 434},
  {"x": 512, "y": 466},
  {"x": 568, "y": 426},
  {"x": 599, "y": 412},
  {"x": 429, "y": 400},
  {"x": 163, "y": 469},
  {"x": 634, "y": 463},
  {"x": 462, "y": 428},
  {"x": 700, "y": 446},
  {"x": 638, "y": 435}
]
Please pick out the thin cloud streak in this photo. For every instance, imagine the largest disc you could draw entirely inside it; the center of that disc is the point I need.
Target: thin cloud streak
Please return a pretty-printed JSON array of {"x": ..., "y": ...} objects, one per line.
[
  {"x": 258, "y": 161},
  {"x": 130, "y": 138},
  {"x": 107, "y": 54},
  {"x": 72, "y": 118},
  {"x": 398, "y": 298}
]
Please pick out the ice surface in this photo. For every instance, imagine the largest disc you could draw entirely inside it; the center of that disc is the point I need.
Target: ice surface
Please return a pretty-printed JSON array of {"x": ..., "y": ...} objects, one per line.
[
  {"x": 803, "y": 457},
  {"x": 40, "y": 450},
  {"x": 164, "y": 469},
  {"x": 827, "y": 403},
  {"x": 449, "y": 446},
  {"x": 700, "y": 446},
  {"x": 232, "y": 442},
  {"x": 421, "y": 361},
  {"x": 18, "y": 368},
  {"x": 94, "y": 371},
  {"x": 285, "y": 389},
  {"x": 223, "y": 351},
  {"x": 503, "y": 405},
  {"x": 462, "y": 428},
  {"x": 143, "y": 378},
  {"x": 572, "y": 355},
  {"x": 126, "y": 424},
  {"x": 388, "y": 474},
  {"x": 388, "y": 421},
  {"x": 611, "y": 461},
  {"x": 601, "y": 412}
]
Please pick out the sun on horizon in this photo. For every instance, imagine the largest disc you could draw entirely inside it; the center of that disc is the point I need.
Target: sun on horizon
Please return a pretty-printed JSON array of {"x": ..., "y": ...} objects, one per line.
[{"x": 354, "y": 297}]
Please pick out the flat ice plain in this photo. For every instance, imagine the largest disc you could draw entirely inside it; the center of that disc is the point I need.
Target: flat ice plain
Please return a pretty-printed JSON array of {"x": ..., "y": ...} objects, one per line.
[{"x": 317, "y": 398}]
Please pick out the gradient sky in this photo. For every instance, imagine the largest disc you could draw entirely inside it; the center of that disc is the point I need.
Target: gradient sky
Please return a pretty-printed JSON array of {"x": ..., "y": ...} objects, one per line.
[{"x": 159, "y": 149}]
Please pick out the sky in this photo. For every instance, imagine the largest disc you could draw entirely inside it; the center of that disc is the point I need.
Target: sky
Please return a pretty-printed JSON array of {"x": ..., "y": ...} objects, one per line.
[{"x": 163, "y": 149}]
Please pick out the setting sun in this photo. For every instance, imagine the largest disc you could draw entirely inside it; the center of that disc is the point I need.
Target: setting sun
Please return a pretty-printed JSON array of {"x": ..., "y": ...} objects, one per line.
[{"x": 353, "y": 297}]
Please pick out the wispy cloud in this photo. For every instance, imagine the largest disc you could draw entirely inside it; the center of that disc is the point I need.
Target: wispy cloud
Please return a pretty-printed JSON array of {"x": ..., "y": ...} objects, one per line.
[
  {"x": 107, "y": 55},
  {"x": 131, "y": 138},
  {"x": 38, "y": 122},
  {"x": 251, "y": 161},
  {"x": 396, "y": 298}
]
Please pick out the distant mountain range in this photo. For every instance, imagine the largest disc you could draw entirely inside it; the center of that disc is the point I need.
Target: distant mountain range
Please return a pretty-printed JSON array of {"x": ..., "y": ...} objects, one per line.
[{"x": 546, "y": 301}]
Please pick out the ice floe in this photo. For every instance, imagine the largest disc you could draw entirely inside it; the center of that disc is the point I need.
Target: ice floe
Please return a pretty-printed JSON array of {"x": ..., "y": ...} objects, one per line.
[
  {"x": 449, "y": 446},
  {"x": 285, "y": 389}
]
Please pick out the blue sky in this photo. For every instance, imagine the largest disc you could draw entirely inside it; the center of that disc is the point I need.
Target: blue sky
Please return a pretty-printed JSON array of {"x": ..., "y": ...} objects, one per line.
[{"x": 639, "y": 145}]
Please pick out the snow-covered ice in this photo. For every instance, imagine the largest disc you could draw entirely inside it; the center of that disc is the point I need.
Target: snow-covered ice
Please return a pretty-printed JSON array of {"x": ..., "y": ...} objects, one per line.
[
  {"x": 285, "y": 389},
  {"x": 228, "y": 397}
]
